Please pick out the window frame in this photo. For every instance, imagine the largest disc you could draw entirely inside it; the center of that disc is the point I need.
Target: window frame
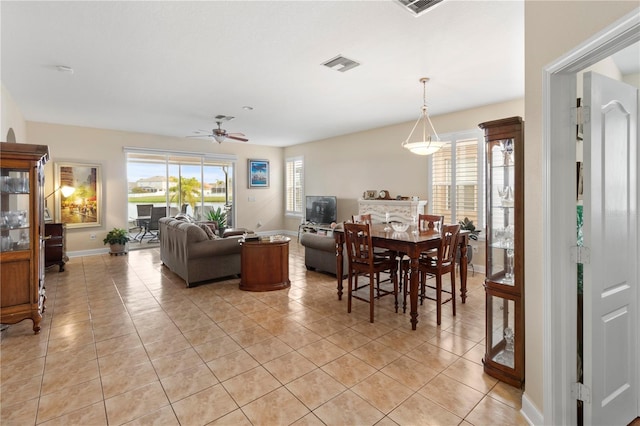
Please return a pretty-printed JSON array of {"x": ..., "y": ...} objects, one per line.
[
  {"x": 454, "y": 138},
  {"x": 294, "y": 213}
]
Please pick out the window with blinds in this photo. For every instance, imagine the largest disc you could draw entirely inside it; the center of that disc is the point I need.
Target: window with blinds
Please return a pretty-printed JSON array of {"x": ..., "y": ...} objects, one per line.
[
  {"x": 456, "y": 179},
  {"x": 294, "y": 170}
]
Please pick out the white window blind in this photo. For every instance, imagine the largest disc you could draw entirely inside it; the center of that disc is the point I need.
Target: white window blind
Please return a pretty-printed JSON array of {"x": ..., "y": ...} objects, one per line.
[
  {"x": 294, "y": 186},
  {"x": 456, "y": 179}
]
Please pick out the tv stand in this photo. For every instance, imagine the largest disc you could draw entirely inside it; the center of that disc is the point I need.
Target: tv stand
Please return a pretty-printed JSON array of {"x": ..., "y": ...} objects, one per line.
[{"x": 316, "y": 228}]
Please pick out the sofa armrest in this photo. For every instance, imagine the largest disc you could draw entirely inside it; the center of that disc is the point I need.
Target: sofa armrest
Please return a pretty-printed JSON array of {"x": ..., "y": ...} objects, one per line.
[{"x": 217, "y": 247}]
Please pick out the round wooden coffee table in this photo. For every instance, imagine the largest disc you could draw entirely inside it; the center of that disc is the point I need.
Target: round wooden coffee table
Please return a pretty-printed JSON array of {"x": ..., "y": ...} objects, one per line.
[{"x": 265, "y": 264}]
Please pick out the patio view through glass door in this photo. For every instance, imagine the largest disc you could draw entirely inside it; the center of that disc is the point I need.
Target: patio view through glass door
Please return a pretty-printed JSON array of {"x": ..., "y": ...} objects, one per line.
[{"x": 193, "y": 184}]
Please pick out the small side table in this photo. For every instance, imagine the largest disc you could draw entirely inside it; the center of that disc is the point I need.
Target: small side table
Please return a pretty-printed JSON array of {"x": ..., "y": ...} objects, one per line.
[
  {"x": 265, "y": 264},
  {"x": 54, "y": 245}
]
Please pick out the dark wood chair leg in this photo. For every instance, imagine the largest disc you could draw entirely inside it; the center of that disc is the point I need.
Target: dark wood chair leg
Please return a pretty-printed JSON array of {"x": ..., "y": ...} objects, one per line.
[
  {"x": 438, "y": 299},
  {"x": 371, "y": 296}
]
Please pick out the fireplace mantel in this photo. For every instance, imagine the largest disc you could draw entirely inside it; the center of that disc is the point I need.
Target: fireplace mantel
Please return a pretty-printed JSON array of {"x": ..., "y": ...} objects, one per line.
[{"x": 399, "y": 210}]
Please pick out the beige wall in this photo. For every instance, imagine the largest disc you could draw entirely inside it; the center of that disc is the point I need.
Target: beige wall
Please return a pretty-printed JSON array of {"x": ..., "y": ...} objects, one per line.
[
  {"x": 552, "y": 28},
  {"x": 11, "y": 117},
  {"x": 105, "y": 147},
  {"x": 346, "y": 166},
  {"x": 329, "y": 168}
]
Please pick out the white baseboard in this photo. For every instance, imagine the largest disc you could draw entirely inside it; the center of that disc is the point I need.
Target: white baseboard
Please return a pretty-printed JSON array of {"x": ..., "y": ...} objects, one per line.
[{"x": 530, "y": 412}]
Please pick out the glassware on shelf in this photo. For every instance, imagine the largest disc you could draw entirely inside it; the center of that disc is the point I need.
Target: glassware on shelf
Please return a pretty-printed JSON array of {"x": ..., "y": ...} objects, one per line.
[
  {"x": 6, "y": 243},
  {"x": 23, "y": 242},
  {"x": 14, "y": 219},
  {"x": 506, "y": 196},
  {"x": 498, "y": 236},
  {"x": 506, "y": 356},
  {"x": 508, "y": 244},
  {"x": 387, "y": 218},
  {"x": 506, "y": 147},
  {"x": 508, "y": 338}
]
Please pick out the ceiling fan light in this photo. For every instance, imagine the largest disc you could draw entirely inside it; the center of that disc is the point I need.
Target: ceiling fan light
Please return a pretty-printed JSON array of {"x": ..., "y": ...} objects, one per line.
[{"x": 219, "y": 138}]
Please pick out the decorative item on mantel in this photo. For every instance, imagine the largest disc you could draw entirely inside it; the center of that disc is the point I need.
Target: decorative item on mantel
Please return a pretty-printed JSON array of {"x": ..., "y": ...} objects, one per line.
[{"x": 427, "y": 145}]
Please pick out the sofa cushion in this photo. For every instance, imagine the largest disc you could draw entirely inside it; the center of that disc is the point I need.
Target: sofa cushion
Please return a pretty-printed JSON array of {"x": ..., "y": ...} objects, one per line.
[{"x": 207, "y": 230}]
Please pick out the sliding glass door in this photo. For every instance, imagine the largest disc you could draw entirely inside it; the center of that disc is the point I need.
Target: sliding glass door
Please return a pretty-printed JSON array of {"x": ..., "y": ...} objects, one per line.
[{"x": 189, "y": 183}]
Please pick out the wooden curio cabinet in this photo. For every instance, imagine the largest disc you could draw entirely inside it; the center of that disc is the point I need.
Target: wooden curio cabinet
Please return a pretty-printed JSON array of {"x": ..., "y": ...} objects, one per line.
[
  {"x": 21, "y": 232},
  {"x": 504, "y": 283}
]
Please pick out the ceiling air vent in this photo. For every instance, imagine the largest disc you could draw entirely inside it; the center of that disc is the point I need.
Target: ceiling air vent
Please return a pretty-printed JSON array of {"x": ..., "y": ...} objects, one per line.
[
  {"x": 418, "y": 7},
  {"x": 340, "y": 63}
]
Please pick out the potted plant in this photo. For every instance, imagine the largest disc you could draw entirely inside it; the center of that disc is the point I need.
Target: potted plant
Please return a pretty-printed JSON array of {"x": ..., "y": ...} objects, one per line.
[
  {"x": 467, "y": 225},
  {"x": 220, "y": 217},
  {"x": 117, "y": 239}
]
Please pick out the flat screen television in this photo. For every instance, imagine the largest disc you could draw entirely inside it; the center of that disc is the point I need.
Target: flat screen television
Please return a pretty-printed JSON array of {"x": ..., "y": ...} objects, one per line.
[{"x": 321, "y": 209}]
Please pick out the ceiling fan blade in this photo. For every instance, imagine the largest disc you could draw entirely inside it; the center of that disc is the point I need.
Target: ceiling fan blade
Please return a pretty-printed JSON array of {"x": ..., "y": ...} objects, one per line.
[
  {"x": 199, "y": 136},
  {"x": 236, "y": 134},
  {"x": 237, "y": 138}
]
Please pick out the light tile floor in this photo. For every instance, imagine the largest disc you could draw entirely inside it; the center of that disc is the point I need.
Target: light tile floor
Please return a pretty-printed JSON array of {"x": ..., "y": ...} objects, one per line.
[{"x": 123, "y": 341}]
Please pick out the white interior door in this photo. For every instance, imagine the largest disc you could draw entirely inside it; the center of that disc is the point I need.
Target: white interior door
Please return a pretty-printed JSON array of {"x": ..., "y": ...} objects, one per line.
[{"x": 611, "y": 233}]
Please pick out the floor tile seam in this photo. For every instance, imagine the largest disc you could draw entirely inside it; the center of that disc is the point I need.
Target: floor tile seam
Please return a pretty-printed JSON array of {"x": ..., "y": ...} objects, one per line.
[
  {"x": 441, "y": 373},
  {"x": 251, "y": 369},
  {"x": 346, "y": 388},
  {"x": 40, "y": 396},
  {"x": 462, "y": 419},
  {"x": 363, "y": 399},
  {"x": 411, "y": 394},
  {"x": 104, "y": 407}
]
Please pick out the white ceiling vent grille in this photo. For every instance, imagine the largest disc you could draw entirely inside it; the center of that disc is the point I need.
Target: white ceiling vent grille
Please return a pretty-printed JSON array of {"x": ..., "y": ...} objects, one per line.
[
  {"x": 418, "y": 7},
  {"x": 340, "y": 63}
]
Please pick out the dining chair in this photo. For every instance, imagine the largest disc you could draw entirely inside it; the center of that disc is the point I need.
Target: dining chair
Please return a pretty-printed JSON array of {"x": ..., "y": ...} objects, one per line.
[
  {"x": 144, "y": 212},
  {"x": 154, "y": 227},
  {"x": 440, "y": 265},
  {"x": 429, "y": 222},
  {"x": 426, "y": 223},
  {"x": 377, "y": 251},
  {"x": 361, "y": 218},
  {"x": 362, "y": 261},
  {"x": 144, "y": 209}
]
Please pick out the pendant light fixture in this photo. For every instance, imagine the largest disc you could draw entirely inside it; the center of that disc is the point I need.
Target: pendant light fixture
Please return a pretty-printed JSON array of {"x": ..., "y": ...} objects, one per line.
[{"x": 427, "y": 145}]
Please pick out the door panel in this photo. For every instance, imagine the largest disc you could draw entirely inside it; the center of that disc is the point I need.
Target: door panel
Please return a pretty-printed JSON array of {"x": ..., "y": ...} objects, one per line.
[{"x": 610, "y": 231}]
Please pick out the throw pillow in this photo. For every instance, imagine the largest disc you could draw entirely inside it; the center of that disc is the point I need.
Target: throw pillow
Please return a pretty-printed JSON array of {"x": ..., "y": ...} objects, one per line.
[{"x": 207, "y": 230}]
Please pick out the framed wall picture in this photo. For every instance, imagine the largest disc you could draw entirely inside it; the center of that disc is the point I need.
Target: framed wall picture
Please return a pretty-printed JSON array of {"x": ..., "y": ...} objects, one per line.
[
  {"x": 78, "y": 194},
  {"x": 258, "y": 173},
  {"x": 47, "y": 216}
]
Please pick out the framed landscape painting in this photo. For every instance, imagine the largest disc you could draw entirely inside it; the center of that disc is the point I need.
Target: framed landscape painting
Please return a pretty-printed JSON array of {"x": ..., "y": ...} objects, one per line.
[
  {"x": 78, "y": 194},
  {"x": 258, "y": 173}
]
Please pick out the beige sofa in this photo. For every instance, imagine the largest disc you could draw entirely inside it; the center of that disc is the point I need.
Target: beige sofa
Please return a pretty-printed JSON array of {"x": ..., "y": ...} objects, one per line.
[{"x": 189, "y": 251}]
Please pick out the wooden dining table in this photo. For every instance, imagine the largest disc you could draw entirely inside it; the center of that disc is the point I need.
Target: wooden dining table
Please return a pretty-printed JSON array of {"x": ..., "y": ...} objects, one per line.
[{"x": 411, "y": 245}]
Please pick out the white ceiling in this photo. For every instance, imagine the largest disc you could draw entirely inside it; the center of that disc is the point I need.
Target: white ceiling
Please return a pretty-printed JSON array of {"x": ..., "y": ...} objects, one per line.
[{"x": 168, "y": 68}]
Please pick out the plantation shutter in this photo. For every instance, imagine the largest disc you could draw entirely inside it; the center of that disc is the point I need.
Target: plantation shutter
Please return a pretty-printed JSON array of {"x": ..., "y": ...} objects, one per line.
[
  {"x": 455, "y": 181},
  {"x": 294, "y": 185},
  {"x": 466, "y": 180}
]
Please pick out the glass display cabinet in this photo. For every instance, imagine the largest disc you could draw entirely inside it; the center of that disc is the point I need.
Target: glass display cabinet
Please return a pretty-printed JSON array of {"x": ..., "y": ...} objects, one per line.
[
  {"x": 21, "y": 232},
  {"x": 504, "y": 283}
]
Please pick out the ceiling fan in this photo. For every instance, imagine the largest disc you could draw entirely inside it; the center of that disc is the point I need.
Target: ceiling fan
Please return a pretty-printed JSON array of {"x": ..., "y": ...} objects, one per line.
[{"x": 221, "y": 134}]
